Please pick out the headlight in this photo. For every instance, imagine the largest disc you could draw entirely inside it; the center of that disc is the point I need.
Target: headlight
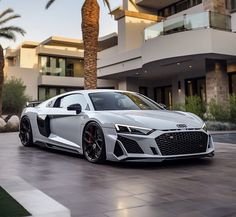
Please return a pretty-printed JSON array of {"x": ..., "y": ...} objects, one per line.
[
  {"x": 204, "y": 127},
  {"x": 133, "y": 130}
]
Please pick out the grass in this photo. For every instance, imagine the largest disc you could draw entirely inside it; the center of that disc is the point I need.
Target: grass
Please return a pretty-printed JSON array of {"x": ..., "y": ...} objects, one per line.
[{"x": 9, "y": 207}]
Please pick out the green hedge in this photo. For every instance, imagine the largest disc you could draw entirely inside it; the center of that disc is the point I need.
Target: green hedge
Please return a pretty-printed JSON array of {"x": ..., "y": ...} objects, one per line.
[{"x": 213, "y": 112}]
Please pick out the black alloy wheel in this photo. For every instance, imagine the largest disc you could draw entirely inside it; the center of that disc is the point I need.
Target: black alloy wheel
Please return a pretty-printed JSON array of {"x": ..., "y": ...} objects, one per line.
[
  {"x": 26, "y": 136},
  {"x": 94, "y": 143}
]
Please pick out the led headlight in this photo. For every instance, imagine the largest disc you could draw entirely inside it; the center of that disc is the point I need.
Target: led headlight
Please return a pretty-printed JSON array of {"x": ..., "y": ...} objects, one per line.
[
  {"x": 133, "y": 130},
  {"x": 204, "y": 127}
]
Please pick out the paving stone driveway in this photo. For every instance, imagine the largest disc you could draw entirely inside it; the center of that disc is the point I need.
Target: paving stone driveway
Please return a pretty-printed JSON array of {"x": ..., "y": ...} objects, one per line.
[{"x": 192, "y": 188}]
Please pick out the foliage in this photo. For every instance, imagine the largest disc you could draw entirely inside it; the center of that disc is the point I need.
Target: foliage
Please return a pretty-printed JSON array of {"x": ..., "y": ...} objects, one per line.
[
  {"x": 14, "y": 98},
  {"x": 195, "y": 105},
  {"x": 218, "y": 112},
  {"x": 232, "y": 108}
]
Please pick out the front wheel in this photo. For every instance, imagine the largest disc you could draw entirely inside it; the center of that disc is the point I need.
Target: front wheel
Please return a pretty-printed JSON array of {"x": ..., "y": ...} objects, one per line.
[
  {"x": 94, "y": 143},
  {"x": 26, "y": 135}
]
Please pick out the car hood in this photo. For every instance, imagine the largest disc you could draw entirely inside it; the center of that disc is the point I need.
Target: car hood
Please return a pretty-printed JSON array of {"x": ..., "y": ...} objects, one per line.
[{"x": 160, "y": 119}]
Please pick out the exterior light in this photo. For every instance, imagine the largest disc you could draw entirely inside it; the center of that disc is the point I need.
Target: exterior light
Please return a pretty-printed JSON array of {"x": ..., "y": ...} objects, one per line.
[
  {"x": 190, "y": 66},
  {"x": 178, "y": 64}
]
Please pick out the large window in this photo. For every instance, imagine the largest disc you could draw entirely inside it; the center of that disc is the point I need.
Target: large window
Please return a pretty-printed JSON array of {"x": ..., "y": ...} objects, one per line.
[
  {"x": 164, "y": 95},
  {"x": 233, "y": 5},
  {"x": 196, "y": 87},
  {"x": 46, "y": 92},
  {"x": 57, "y": 66},
  {"x": 232, "y": 83},
  {"x": 178, "y": 7}
]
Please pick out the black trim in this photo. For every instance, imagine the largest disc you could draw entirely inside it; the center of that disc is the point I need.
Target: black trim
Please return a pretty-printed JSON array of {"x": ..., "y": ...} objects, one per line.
[{"x": 44, "y": 125}]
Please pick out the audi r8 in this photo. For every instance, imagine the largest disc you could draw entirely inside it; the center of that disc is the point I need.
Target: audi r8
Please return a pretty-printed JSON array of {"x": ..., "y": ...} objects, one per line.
[{"x": 114, "y": 125}]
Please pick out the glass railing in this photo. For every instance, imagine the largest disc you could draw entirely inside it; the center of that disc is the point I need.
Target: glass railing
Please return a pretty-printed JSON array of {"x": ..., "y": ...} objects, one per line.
[{"x": 189, "y": 22}]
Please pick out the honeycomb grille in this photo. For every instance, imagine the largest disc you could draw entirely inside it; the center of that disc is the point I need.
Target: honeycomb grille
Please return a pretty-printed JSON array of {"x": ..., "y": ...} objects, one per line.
[
  {"x": 130, "y": 145},
  {"x": 179, "y": 143}
]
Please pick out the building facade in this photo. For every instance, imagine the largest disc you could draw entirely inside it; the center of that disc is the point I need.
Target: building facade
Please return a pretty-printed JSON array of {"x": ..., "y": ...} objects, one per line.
[
  {"x": 171, "y": 49},
  {"x": 53, "y": 66}
]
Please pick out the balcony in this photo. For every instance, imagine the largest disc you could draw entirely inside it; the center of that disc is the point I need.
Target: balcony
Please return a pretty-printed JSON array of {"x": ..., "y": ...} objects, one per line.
[{"x": 189, "y": 22}]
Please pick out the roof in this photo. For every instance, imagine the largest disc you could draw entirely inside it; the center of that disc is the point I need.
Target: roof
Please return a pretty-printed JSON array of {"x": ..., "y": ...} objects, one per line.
[{"x": 104, "y": 42}]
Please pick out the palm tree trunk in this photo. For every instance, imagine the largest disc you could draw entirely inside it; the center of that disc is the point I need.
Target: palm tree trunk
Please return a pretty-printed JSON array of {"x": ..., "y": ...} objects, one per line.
[
  {"x": 1, "y": 76},
  {"x": 90, "y": 30}
]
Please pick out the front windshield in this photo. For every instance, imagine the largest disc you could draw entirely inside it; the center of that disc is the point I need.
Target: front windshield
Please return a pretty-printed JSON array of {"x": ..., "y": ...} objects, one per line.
[{"x": 121, "y": 101}]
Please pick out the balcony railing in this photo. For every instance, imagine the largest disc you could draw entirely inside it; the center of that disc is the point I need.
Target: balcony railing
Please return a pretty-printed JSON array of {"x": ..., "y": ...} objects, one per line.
[{"x": 189, "y": 22}]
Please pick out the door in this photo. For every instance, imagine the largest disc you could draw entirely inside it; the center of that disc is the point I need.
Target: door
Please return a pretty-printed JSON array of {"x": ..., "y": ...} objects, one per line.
[{"x": 64, "y": 125}]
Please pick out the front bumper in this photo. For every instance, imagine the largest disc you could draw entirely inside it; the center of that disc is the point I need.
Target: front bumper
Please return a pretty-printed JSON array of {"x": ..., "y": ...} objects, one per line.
[{"x": 130, "y": 147}]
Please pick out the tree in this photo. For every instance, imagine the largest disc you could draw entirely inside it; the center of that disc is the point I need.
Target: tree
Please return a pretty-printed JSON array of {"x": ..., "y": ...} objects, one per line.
[
  {"x": 90, "y": 31},
  {"x": 7, "y": 32}
]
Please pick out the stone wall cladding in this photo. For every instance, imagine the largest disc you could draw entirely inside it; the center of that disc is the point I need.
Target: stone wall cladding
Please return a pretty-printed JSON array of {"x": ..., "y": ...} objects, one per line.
[{"x": 218, "y": 6}]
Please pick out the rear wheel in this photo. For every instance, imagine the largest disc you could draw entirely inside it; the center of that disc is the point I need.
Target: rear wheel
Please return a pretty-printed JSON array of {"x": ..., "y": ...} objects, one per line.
[
  {"x": 94, "y": 143},
  {"x": 26, "y": 135}
]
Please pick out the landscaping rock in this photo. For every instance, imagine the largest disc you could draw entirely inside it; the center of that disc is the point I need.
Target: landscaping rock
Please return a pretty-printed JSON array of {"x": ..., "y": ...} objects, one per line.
[
  {"x": 2, "y": 125},
  {"x": 13, "y": 124}
]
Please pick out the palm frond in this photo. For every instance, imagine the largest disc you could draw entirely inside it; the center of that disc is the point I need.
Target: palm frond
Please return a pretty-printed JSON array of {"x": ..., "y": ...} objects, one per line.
[
  {"x": 8, "y": 35},
  {"x": 50, "y": 2},
  {"x": 12, "y": 29},
  {"x": 107, "y": 3},
  {"x": 7, "y": 11},
  {"x": 9, "y": 18}
]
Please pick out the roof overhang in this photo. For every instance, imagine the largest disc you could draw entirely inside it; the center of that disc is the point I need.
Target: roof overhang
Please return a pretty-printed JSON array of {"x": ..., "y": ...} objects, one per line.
[
  {"x": 120, "y": 13},
  {"x": 105, "y": 42},
  {"x": 30, "y": 44},
  {"x": 155, "y": 4}
]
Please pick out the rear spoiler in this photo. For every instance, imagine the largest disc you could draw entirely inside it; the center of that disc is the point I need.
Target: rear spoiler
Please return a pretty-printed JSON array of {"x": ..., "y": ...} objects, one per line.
[{"x": 33, "y": 103}]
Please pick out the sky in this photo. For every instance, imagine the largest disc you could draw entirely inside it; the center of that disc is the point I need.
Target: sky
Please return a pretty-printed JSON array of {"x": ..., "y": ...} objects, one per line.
[{"x": 62, "y": 19}]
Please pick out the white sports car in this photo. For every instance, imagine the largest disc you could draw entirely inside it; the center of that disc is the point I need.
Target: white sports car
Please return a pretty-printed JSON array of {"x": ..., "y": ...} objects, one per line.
[{"x": 114, "y": 125}]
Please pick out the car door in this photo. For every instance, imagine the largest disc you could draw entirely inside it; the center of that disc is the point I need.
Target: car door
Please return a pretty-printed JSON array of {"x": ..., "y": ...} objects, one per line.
[{"x": 65, "y": 126}]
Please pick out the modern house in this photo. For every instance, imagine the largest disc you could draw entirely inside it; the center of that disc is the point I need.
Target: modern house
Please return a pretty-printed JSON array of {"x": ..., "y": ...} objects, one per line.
[
  {"x": 165, "y": 49},
  {"x": 174, "y": 48},
  {"x": 53, "y": 66}
]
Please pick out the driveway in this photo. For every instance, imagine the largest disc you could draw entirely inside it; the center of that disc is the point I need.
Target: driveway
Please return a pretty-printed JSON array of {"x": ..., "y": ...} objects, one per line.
[{"x": 190, "y": 188}]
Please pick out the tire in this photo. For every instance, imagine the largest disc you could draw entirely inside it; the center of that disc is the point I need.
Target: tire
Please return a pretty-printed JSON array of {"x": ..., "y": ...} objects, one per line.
[
  {"x": 94, "y": 147},
  {"x": 26, "y": 135}
]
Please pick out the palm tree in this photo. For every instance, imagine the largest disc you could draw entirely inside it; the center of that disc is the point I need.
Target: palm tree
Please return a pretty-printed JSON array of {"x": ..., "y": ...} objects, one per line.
[
  {"x": 90, "y": 31},
  {"x": 7, "y": 32}
]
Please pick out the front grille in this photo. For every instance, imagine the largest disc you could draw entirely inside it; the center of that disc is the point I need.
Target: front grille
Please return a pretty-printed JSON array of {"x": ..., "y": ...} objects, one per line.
[
  {"x": 179, "y": 143},
  {"x": 130, "y": 145}
]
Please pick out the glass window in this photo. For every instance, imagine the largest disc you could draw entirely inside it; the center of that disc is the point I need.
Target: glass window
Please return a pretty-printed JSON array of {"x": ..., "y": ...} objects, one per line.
[
  {"x": 121, "y": 101},
  {"x": 164, "y": 95},
  {"x": 233, "y": 4},
  {"x": 232, "y": 83},
  {"x": 73, "y": 99},
  {"x": 196, "y": 87}
]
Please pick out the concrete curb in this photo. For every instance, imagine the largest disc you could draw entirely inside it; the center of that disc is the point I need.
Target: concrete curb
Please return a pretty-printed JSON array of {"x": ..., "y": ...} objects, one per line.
[{"x": 32, "y": 199}]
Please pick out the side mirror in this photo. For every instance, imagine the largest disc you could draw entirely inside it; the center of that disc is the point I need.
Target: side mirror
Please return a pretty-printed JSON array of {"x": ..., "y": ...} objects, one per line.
[{"x": 75, "y": 107}]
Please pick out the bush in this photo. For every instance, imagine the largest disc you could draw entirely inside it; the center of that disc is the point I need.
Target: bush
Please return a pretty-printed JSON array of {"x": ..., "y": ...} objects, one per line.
[
  {"x": 195, "y": 105},
  {"x": 218, "y": 112},
  {"x": 14, "y": 98},
  {"x": 232, "y": 108}
]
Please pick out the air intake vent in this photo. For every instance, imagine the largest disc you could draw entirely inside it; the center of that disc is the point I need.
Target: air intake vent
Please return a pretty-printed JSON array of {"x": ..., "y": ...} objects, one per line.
[
  {"x": 118, "y": 151},
  {"x": 179, "y": 143},
  {"x": 130, "y": 145}
]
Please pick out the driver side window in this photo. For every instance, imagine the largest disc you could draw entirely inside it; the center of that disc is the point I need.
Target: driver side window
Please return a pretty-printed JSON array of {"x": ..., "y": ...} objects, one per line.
[{"x": 73, "y": 99}]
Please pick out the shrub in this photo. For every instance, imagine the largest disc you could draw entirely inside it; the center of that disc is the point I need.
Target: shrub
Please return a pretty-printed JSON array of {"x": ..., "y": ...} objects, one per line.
[
  {"x": 232, "y": 108},
  {"x": 195, "y": 105},
  {"x": 14, "y": 98},
  {"x": 179, "y": 107},
  {"x": 218, "y": 112}
]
